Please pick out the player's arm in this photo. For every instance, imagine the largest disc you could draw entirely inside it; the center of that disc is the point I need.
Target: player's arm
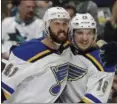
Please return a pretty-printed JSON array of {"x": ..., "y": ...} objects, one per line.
[
  {"x": 98, "y": 86},
  {"x": 11, "y": 74},
  {"x": 15, "y": 72}
]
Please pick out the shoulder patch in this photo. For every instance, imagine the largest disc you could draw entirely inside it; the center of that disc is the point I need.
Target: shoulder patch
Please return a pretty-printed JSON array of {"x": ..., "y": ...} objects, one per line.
[{"x": 31, "y": 50}]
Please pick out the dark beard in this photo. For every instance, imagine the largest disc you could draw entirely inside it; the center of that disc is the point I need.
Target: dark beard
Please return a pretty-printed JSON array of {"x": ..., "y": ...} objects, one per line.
[{"x": 55, "y": 38}]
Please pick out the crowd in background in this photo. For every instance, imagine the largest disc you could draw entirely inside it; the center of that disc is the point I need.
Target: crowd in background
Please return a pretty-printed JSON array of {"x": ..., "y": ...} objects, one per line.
[{"x": 23, "y": 21}]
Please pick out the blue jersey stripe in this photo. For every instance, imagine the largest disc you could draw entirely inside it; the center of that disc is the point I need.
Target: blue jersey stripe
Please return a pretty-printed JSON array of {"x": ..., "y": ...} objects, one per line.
[
  {"x": 29, "y": 49},
  {"x": 6, "y": 87},
  {"x": 93, "y": 98}
]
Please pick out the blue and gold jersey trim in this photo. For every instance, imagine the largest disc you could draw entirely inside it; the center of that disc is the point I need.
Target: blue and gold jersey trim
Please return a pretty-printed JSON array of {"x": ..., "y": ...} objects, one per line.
[
  {"x": 95, "y": 62},
  {"x": 65, "y": 45},
  {"x": 95, "y": 58},
  {"x": 27, "y": 50},
  {"x": 39, "y": 55},
  {"x": 45, "y": 53},
  {"x": 34, "y": 50},
  {"x": 89, "y": 98},
  {"x": 7, "y": 90},
  {"x": 86, "y": 100}
]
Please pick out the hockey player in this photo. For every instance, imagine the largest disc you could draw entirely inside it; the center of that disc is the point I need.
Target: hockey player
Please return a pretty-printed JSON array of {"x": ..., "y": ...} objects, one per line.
[
  {"x": 37, "y": 70},
  {"x": 89, "y": 80}
]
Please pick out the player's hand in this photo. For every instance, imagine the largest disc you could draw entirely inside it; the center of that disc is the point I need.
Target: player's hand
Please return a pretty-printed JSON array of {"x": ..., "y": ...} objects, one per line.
[{"x": 108, "y": 54}]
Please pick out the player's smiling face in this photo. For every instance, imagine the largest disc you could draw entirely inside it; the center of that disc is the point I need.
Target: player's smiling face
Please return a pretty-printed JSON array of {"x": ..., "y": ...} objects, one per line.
[
  {"x": 59, "y": 30},
  {"x": 84, "y": 38}
]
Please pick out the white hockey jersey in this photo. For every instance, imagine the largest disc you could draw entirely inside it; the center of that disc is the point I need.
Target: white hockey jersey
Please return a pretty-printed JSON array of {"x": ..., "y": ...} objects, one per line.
[
  {"x": 89, "y": 80},
  {"x": 14, "y": 31},
  {"x": 35, "y": 73}
]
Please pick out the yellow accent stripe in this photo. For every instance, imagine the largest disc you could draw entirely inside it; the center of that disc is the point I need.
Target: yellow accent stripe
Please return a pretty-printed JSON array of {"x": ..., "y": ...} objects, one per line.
[
  {"x": 95, "y": 61},
  {"x": 86, "y": 100},
  {"x": 44, "y": 52},
  {"x": 39, "y": 55},
  {"x": 67, "y": 43},
  {"x": 6, "y": 94}
]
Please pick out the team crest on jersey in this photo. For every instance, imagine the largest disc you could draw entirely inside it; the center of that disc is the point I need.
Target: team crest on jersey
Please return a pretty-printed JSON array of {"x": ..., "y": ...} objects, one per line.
[
  {"x": 60, "y": 72},
  {"x": 75, "y": 72}
]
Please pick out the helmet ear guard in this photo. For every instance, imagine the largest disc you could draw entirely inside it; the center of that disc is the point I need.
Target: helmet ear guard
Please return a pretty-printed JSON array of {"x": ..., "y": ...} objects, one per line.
[{"x": 46, "y": 28}]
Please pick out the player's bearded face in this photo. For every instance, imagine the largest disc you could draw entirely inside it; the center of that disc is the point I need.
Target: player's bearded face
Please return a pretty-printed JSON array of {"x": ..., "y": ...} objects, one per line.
[
  {"x": 59, "y": 31},
  {"x": 60, "y": 37}
]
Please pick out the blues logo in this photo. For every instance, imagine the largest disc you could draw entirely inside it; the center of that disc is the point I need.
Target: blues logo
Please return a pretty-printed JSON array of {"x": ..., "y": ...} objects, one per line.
[
  {"x": 60, "y": 72},
  {"x": 75, "y": 72}
]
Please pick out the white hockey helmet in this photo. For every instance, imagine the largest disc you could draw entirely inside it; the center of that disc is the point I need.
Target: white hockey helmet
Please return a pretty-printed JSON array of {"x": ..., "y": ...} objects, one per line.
[
  {"x": 54, "y": 13},
  {"x": 83, "y": 21}
]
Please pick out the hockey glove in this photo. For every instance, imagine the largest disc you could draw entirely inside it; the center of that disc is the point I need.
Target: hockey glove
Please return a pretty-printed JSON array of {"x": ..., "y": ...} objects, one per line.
[{"x": 109, "y": 54}]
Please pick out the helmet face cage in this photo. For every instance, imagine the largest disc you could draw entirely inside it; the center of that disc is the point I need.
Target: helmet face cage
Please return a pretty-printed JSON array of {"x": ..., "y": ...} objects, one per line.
[
  {"x": 83, "y": 21},
  {"x": 54, "y": 13}
]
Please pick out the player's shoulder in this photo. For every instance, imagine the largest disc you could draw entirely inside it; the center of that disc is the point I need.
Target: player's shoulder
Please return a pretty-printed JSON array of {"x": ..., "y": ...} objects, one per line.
[
  {"x": 28, "y": 51},
  {"x": 95, "y": 58},
  {"x": 8, "y": 20}
]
